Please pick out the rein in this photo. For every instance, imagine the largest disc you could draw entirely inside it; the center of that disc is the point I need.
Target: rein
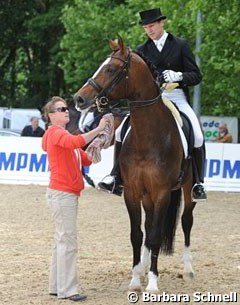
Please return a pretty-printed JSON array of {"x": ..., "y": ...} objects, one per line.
[
  {"x": 140, "y": 104},
  {"x": 102, "y": 100}
]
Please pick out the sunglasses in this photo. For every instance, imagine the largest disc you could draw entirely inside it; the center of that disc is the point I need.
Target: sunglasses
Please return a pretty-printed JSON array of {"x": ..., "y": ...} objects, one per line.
[{"x": 61, "y": 109}]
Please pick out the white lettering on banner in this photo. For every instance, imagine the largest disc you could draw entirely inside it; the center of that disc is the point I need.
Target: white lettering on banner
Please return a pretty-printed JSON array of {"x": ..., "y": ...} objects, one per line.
[{"x": 23, "y": 161}]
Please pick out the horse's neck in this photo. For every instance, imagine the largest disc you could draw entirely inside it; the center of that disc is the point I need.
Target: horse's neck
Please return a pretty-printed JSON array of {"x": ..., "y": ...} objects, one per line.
[
  {"x": 148, "y": 124},
  {"x": 152, "y": 126},
  {"x": 144, "y": 91}
]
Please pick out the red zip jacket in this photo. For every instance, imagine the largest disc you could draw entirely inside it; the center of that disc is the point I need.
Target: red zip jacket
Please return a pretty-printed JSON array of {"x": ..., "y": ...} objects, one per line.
[{"x": 65, "y": 173}]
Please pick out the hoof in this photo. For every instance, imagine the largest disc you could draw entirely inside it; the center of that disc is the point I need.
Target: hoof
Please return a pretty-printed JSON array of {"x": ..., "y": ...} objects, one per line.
[
  {"x": 135, "y": 289},
  {"x": 151, "y": 290},
  {"x": 188, "y": 276},
  {"x": 152, "y": 283},
  {"x": 143, "y": 278}
]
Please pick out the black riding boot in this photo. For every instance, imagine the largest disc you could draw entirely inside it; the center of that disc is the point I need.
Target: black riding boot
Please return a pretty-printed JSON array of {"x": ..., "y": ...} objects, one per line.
[
  {"x": 198, "y": 191},
  {"x": 115, "y": 187}
]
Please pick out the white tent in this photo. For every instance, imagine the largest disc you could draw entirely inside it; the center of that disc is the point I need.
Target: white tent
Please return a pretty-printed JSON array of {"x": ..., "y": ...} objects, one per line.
[{"x": 15, "y": 118}]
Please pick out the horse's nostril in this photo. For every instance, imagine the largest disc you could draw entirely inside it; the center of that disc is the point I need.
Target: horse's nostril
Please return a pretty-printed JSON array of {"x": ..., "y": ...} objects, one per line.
[{"x": 78, "y": 100}]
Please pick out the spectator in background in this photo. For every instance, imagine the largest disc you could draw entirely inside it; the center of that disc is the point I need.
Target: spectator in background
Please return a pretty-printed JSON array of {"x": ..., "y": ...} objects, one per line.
[
  {"x": 33, "y": 130},
  {"x": 223, "y": 136}
]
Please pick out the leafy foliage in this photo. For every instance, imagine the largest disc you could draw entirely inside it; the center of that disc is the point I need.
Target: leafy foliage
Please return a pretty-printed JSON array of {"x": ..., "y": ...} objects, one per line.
[
  {"x": 29, "y": 56},
  {"x": 89, "y": 26}
]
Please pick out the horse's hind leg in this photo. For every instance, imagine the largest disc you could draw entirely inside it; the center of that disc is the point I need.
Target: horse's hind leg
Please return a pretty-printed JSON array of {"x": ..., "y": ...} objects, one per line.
[
  {"x": 134, "y": 211},
  {"x": 157, "y": 236},
  {"x": 187, "y": 222}
]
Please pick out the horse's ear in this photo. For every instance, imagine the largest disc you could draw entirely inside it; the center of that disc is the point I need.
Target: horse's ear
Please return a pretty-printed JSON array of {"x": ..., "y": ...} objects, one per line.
[
  {"x": 118, "y": 44},
  {"x": 122, "y": 46},
  {"x": 114, "y": 45}
]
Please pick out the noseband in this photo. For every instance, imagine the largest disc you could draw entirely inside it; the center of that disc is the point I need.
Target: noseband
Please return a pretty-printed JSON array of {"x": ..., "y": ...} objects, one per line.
[{"x": 101, "y": 99}]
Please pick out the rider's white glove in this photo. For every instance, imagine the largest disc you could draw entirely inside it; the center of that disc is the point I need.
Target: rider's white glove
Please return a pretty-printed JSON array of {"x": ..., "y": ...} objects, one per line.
[{"x": 171, "y": 76}]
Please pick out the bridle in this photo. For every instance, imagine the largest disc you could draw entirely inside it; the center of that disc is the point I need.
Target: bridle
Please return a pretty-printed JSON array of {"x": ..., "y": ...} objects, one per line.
[{"x": 101, "y": 99}]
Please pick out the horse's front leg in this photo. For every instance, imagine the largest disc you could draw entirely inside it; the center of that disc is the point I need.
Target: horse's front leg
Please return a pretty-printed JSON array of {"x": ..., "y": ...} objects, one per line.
[
  {"x": 187, "y": 222},
  {"x": 134, "y": 211},
  {"x": 146, "y": 258}
]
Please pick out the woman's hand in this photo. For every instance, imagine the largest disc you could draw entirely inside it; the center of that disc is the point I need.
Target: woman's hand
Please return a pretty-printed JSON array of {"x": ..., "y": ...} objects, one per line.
[{"x": 102, "y": 124}]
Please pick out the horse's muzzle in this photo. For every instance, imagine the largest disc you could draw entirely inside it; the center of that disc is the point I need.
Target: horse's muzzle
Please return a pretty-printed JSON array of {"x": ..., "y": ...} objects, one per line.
[{"x": 80, "y": 102}]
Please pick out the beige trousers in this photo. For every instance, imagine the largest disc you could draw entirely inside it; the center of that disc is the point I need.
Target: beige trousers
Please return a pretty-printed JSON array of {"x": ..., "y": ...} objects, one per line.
[{"x": 63, "y": 278}]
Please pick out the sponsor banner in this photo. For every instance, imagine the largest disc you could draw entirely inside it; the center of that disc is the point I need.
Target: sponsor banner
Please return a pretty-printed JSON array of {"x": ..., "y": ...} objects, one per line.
[
  {"x": 22, "y": 161},
  {"x": 210, "y": 125},
  {"x": 222, "y": 168}
]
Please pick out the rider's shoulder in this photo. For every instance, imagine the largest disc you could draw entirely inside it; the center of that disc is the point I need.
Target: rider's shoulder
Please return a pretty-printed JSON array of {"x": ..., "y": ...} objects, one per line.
[{"x": 179, "y": 40}]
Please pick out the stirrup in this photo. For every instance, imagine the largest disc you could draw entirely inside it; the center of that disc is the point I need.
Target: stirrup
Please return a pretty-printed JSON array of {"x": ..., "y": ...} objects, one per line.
[
  {"x": 198, "y": 193},
  {"x": 110, "y": 188}
]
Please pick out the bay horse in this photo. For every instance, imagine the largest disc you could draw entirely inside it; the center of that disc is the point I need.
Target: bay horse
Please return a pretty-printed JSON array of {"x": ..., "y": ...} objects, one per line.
[{"x": 152, "y": 161}]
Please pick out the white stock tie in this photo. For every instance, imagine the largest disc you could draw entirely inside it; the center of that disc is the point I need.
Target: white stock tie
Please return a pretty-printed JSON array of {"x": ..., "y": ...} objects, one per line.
[{"x": 159, "y": 46}]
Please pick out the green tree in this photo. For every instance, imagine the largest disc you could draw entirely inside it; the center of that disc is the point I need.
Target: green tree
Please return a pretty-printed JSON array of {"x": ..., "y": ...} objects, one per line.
[
  {"x": 89, "y": 25},
  {"x": 220, "y": 57},
  {"x": 30, "y": 52}
]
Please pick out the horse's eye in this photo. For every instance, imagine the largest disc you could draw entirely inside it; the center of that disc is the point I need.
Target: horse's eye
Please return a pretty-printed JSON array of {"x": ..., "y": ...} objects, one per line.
[{"x": 110, "y": 70}]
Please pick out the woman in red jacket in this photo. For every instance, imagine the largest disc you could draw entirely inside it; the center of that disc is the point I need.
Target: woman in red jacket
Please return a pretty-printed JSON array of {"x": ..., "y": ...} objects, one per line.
[{"x": 65, "y": 158}]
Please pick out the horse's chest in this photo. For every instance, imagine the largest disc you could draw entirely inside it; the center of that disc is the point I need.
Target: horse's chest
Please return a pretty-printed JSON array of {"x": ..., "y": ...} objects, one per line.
[{"x": 148, "y": 166}]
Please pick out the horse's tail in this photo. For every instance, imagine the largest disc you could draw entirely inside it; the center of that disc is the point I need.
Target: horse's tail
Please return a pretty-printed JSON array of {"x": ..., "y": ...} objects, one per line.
[{"x": 170, "y": 224}]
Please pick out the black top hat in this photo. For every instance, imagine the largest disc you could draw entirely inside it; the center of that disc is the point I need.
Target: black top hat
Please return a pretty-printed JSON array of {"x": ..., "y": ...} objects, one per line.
[{"x": 151, "y": 16}]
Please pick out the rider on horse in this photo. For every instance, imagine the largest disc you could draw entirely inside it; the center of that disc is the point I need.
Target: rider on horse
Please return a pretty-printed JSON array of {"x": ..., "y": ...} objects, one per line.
[{"x": 173, "y": 60}]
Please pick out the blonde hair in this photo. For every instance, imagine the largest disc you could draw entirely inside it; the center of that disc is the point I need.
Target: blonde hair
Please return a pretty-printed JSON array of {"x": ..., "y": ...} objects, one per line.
[{"x": 50, "y": 107}]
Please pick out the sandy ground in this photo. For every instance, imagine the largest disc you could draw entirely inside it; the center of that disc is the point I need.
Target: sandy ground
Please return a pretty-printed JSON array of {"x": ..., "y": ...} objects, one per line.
[{"x": 105, "y": 253}]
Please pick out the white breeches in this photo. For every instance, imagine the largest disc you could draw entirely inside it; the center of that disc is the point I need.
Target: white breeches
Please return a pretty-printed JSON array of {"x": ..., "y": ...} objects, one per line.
[
  {"x": 119, "y": 129},
  {"x": 86, "y": 120},
  {"x": 178, "y": 97}
]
